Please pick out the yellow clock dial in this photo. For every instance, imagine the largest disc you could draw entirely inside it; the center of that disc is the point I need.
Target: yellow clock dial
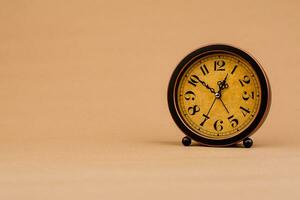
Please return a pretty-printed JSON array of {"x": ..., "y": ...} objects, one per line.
[{"x": 218, "y": 96}]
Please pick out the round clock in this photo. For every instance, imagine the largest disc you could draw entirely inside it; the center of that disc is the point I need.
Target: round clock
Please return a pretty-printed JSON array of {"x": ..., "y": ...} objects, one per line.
[{"x": 219, "y": 95}]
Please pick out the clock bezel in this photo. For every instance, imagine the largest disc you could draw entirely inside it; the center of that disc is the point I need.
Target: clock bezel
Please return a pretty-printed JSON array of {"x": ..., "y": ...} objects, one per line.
[{"x": 184, "y": 65}]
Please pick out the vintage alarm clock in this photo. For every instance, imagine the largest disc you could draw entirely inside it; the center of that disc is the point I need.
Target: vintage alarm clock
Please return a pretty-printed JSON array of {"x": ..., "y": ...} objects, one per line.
[{"x": 219, "y": 95}]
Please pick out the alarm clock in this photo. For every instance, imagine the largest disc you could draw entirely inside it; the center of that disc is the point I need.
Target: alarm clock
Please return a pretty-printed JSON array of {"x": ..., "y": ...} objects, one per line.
[{"x": 219, "y": 95}]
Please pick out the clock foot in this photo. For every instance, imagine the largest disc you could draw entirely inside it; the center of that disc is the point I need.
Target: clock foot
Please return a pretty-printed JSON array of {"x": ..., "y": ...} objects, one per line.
[
  {"x": 186, "y": 141},
  {"x": 248, "y": 142}
]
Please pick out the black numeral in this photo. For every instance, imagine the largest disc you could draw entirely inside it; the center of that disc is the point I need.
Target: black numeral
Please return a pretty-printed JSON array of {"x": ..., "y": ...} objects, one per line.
[
  {"x": 218, "y": 125},
  {"x": 245, "y": 111},
  {"x": 205, "y": 119},
  {"x": 219, "y": 65},
  {"x": 245, "y": 80},
  {"x": 204, "y": 69},
  {"x": 233, "y": 70},
  {"x": 247, "y": 96},
  {"x": 194, "y": 80},
  {"x": 189, "y": 95},
  {"x": 193, "y": 109},
  {"x": 234, "y": 122}
]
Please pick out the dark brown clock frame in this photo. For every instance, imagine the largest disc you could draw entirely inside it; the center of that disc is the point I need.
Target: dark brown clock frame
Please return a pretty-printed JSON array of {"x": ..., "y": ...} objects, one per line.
[{"x": 263, "y": 109}]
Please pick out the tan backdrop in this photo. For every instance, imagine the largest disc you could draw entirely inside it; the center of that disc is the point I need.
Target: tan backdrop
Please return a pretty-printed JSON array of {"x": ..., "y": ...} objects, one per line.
[{"x": 84, "y": 110}]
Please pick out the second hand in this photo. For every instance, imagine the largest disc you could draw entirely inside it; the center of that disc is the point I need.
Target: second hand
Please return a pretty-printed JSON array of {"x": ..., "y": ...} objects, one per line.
[
  {"x": 224, "y": 105},
  {"x": 211, "y": 106}
]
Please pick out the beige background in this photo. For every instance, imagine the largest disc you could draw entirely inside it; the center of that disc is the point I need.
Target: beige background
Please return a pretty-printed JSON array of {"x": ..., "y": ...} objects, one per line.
[{"x": 83, "y": 100}]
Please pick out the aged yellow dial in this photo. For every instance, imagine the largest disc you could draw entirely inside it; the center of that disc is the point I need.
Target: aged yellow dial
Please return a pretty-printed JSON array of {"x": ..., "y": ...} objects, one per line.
[{"x": 219, "y": 95}]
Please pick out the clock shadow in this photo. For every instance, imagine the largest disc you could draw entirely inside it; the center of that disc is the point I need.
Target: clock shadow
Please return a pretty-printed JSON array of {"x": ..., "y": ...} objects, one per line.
[
  {"x": 197, "y": 145},
  {"x": 193, "y": 145},
  {"x": 240, "y": 145}
]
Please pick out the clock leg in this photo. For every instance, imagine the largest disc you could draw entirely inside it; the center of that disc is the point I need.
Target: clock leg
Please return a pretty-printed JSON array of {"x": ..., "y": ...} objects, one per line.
[
  {"x": 186, "y": 141},
  {"x": 248, "y": 142}
]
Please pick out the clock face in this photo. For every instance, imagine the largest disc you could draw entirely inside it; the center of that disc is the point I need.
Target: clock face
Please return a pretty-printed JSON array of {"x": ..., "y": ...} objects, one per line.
[{"x": 218, "y": 95}]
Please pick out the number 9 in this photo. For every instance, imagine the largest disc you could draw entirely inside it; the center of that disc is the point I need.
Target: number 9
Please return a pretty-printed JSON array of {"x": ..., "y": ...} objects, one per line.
[{"x": 189, "y": 95}]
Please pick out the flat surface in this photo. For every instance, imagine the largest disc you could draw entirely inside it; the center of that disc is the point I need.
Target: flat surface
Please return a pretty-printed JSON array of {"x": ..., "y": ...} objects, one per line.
[{"x": 84, "y": 107}]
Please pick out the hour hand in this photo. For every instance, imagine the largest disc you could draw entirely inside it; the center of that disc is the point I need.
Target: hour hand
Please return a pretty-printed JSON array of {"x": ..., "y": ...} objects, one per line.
[{"x": 223, "y": 84}]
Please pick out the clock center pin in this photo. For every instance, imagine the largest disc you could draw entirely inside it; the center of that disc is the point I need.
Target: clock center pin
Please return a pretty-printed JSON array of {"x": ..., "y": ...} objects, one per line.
[{"x": 218, "y": 95}]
